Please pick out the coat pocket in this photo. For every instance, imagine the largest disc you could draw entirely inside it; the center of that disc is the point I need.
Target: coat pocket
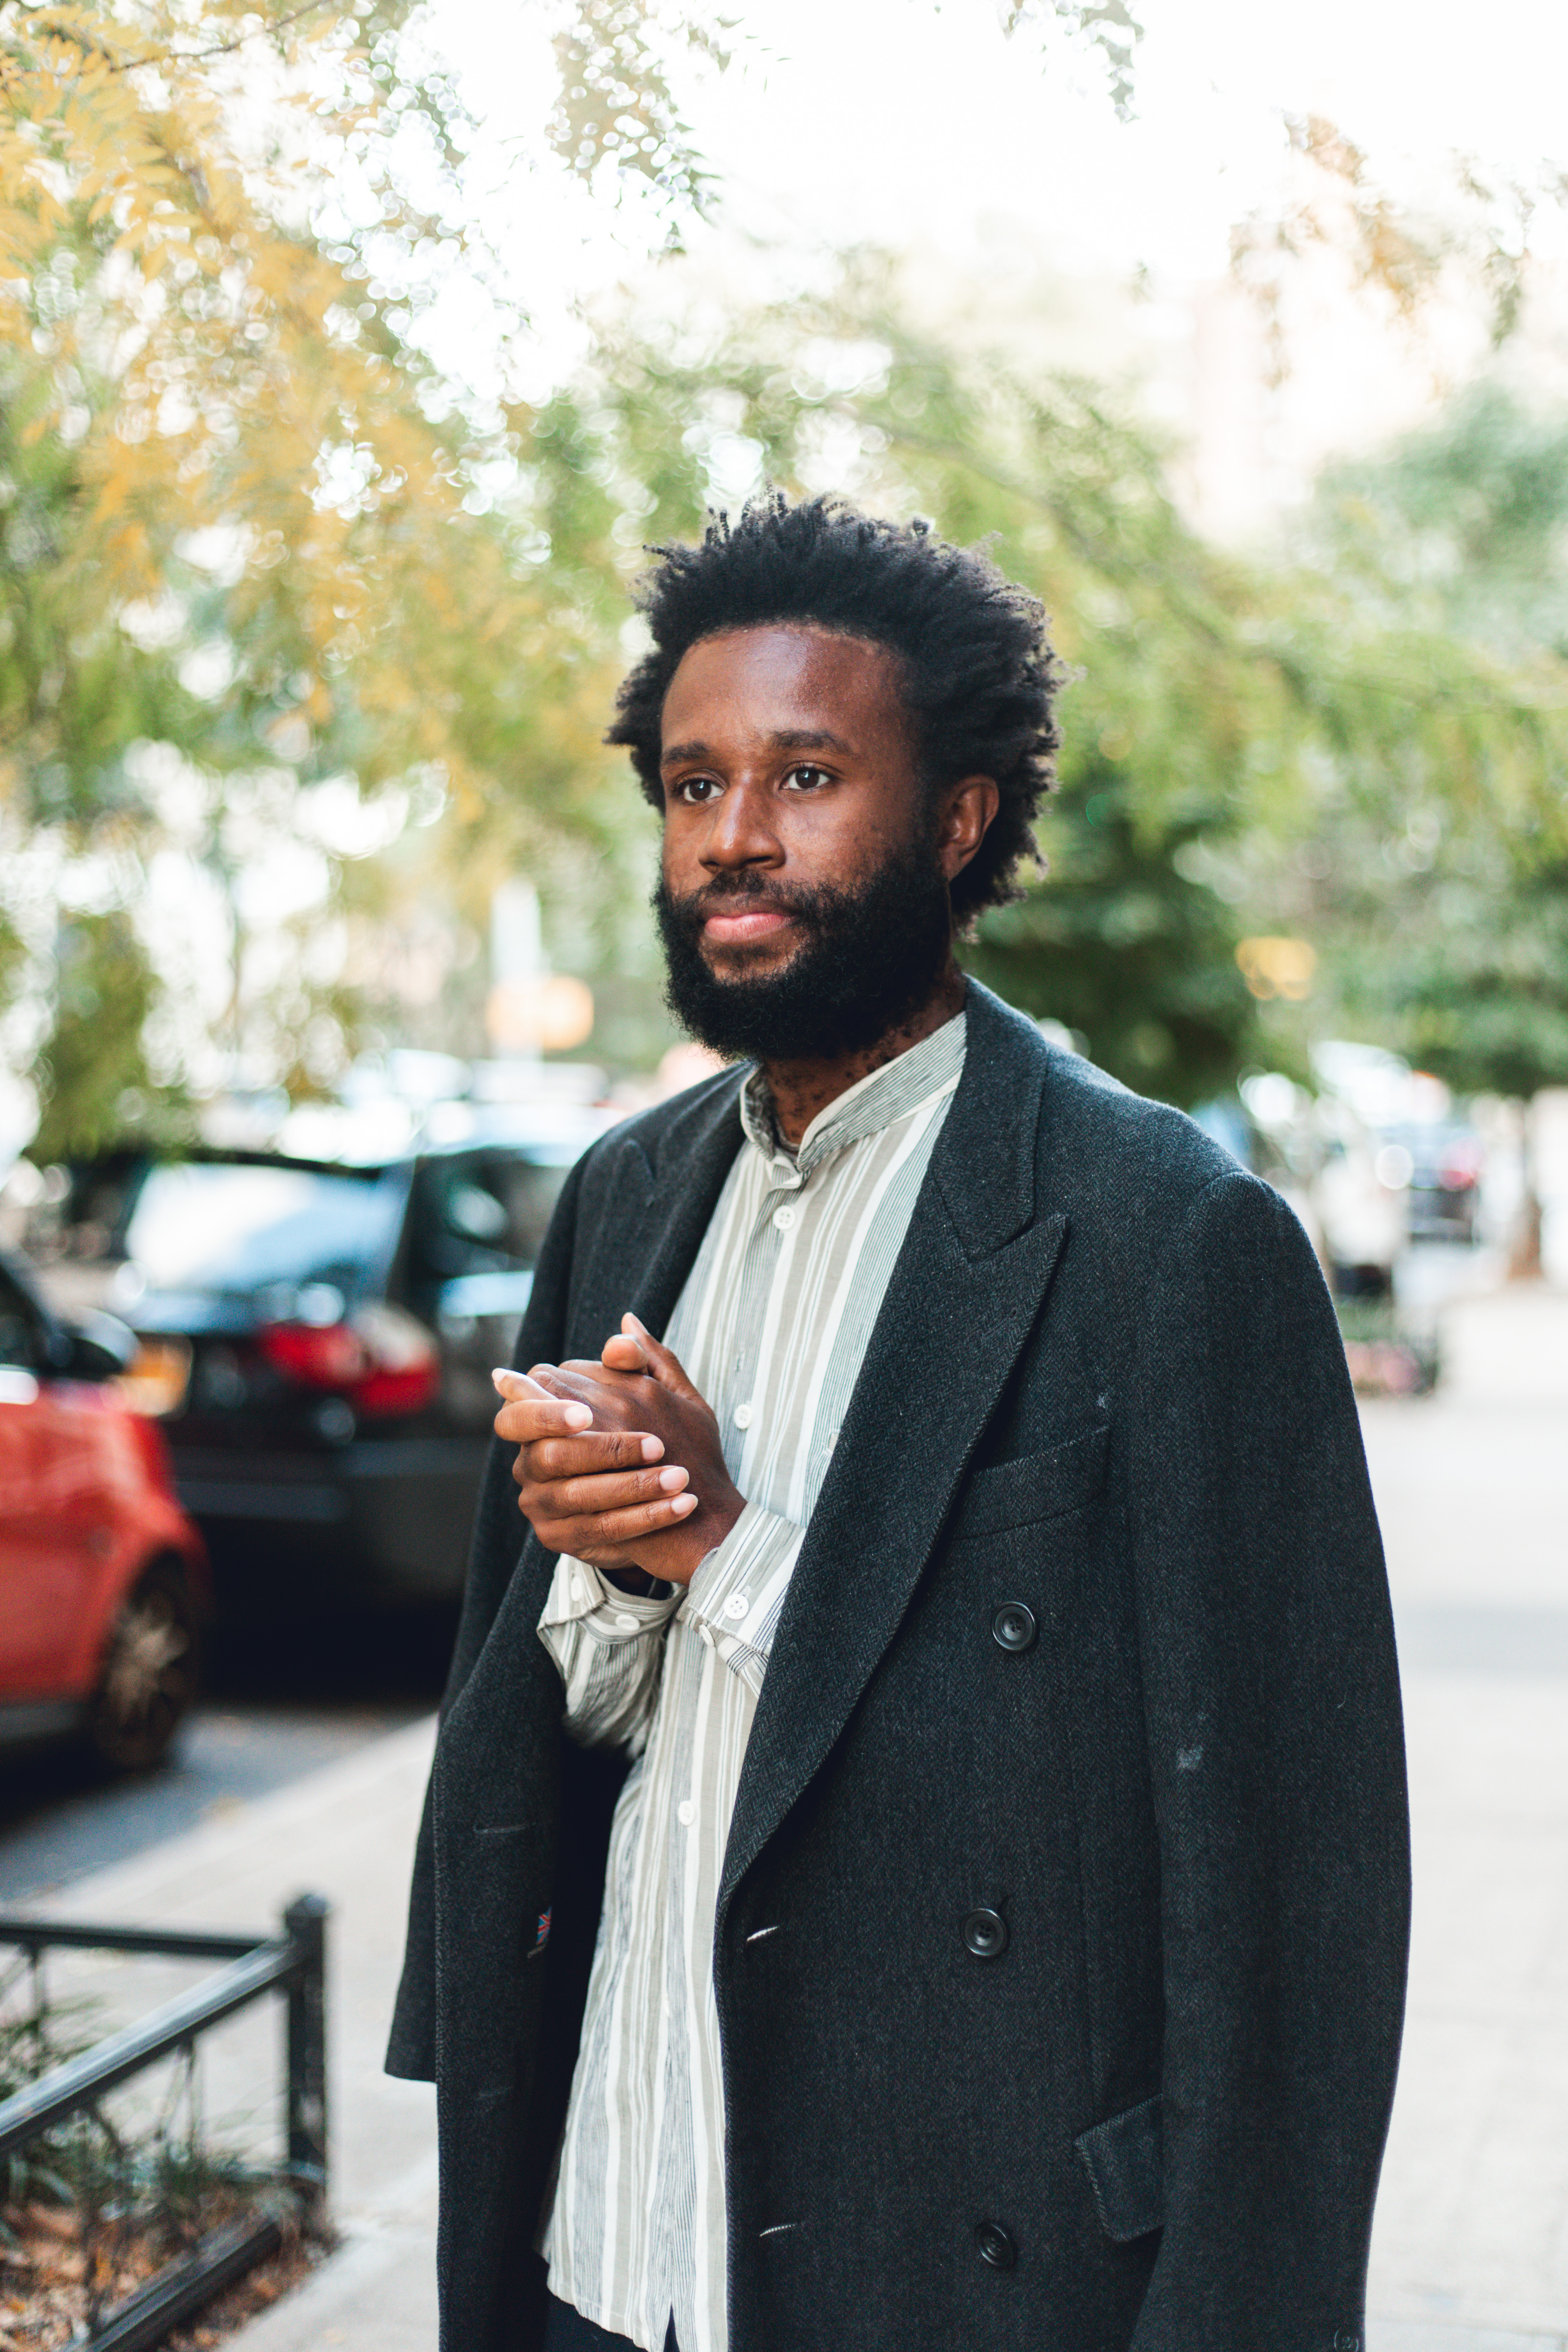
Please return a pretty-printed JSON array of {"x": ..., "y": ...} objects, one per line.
[
  {"x": 1035, "y": 1486},
  {"x": 1124, "y": 2161}
]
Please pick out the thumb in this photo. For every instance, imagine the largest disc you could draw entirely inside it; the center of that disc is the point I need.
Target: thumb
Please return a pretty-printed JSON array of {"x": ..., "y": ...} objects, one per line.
[{"x": 663, "y": 1365}]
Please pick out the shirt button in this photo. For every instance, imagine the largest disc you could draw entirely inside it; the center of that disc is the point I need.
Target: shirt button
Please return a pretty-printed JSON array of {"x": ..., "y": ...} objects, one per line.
[
  {"x": 626, "y": 1622},
  {"x": 737, "y": 1605},
  {"x": 685, "y": 1812},
  {"x": 743, "y": 1416},
  {"x": 784, "y": 1218}
]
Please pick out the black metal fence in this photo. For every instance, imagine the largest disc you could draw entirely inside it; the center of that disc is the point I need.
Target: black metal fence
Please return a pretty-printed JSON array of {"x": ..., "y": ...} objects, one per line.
[{"x": 293, "y": 1965}]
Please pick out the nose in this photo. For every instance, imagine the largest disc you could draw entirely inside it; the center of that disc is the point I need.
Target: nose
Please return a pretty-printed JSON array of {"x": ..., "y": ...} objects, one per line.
[{"x": 741, "y": 833}]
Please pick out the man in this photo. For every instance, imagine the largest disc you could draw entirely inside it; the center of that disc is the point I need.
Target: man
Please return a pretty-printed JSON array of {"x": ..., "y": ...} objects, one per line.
[{"x": 916, "y": 1855}]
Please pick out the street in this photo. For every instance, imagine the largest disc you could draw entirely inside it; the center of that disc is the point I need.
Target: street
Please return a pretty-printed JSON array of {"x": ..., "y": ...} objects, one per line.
[{"x": 279, "y": 1703}]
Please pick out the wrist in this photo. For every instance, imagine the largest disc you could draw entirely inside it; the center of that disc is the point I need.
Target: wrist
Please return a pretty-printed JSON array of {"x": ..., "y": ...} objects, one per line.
[{"x": 708, "y": 1527}]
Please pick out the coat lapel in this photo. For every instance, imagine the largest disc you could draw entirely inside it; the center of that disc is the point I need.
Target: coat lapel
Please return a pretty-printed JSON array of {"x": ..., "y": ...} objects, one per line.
[
  {"x": 654, "y": 1215},
  {"x": 963, "y": 1297}
]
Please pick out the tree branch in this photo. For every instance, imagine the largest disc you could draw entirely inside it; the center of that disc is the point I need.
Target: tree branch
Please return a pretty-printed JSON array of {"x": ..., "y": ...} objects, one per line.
[{"x": 66, "y": 32}]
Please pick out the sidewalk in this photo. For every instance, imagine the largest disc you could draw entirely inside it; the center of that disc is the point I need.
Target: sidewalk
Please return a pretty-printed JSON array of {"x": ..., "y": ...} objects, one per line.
[
  {"x": 1470, "y": 2249},
  {"x": 1471, "y": 2252}
]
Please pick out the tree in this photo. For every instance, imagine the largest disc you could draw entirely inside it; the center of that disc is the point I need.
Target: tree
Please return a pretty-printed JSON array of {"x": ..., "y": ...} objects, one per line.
[
  {"x": 96, "y": 1056},
  {"x": 1450, "y": 940},
  {"x": 242, "y": 521},
  {"x": 1219, "y": 714}
]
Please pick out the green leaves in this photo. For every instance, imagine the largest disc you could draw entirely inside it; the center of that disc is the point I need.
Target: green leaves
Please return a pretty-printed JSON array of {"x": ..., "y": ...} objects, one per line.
[{"x": 1108, "y": 25}]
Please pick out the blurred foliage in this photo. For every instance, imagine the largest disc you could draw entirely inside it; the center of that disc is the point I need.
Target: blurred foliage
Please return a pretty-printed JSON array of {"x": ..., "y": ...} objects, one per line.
[
  {"x": 245, "y": 528},
  {"x": 267, "y": 594},
  {"x": 1470, "y": 245},
  {"x": 1467, "y": 520},
  {"x": 241, "y": 518},
  {"x": 1216, "y": 705},
  {"x": 1447, "y": 937},
  {"x": 93, "y": 1077}
]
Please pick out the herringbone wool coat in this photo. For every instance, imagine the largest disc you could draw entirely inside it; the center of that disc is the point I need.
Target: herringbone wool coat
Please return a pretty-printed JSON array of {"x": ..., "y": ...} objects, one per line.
[{"x": 1090, "y": 1632}]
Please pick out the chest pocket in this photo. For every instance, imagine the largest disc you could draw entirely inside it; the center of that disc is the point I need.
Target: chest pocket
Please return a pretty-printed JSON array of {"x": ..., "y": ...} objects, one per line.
[
  {"x": 1035, "y": 1489},
  {"x": 1019, "y": 1537}
]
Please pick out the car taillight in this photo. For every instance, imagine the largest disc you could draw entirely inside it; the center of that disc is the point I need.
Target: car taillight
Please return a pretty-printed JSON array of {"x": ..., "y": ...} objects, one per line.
[
  {"x": 150, "y": 1444},
  {"x": 381, "y": 1360}
]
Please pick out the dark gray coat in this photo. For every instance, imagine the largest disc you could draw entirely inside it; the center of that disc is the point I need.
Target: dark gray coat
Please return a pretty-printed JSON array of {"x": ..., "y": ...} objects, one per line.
[{"x": 1106, "y": 1383}]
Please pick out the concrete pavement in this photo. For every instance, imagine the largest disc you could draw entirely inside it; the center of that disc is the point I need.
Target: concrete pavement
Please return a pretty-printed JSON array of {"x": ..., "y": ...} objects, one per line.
[{"x": 1470, "y": 2251}]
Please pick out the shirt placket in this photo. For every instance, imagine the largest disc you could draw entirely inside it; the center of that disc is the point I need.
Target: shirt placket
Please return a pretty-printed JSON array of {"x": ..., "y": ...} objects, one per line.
[{"x": 778, "y": 1213}]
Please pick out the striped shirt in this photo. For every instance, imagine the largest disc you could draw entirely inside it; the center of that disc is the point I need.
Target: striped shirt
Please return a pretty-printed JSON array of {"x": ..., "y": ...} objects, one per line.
[{"x": 771, "y": 1327}]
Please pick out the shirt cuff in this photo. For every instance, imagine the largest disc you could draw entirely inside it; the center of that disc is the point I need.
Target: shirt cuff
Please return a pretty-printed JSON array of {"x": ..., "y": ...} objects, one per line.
[
  {"x": 580, "y": 1596},
  {"x": 733, "y": 1600}
]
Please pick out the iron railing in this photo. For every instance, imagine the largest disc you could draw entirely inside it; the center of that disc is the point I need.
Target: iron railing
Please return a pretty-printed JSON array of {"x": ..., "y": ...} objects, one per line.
[{"x": 293, "y": 1964}]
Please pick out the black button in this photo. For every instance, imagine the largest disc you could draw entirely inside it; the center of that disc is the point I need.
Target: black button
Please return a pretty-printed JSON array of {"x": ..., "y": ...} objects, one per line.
[
  {"x": 986, "y": 1935},
  {"x": 993, "y": 2245},
  {"x": 1013, "y": 1627}
]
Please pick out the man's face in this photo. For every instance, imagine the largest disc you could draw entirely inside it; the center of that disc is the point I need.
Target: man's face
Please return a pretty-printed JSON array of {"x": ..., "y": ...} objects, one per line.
[{"x": 803, "y": 903}]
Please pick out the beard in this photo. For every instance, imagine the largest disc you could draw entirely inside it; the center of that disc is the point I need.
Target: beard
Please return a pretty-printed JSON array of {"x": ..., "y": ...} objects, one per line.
[{"x": 871, "y": 959}]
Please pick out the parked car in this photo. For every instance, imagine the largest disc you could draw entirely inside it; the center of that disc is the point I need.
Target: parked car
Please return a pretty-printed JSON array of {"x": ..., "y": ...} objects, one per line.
[
  {"x": 1443, "y": 1161},
  {"x": 103, "y": 1577},
  {"x": 316, "y": 1339}
]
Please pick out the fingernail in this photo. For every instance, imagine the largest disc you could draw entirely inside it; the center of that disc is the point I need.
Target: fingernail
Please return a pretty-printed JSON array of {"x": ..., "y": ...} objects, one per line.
[
  {"x": 681, "y": 1504},
  {"x": 578, "y": 1416},
  {"x": 652, "y": 1447},
  {"x": 672, "y": 1480}
]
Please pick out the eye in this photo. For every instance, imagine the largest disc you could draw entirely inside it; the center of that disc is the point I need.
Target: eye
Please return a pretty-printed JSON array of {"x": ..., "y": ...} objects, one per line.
[
  {"x": 694, "y": 791},
  {"x": 807, "y": 779}
]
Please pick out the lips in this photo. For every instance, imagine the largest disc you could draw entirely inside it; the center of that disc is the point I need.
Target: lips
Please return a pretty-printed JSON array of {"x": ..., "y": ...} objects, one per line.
[{"x": 741, "y": 930}]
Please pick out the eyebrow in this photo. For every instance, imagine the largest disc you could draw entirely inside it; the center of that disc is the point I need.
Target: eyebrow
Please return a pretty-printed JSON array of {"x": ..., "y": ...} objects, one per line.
[{"x": 792, "y": 739}]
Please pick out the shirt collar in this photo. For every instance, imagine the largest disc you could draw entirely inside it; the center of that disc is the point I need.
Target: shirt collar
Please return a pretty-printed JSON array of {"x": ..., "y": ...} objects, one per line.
[{"x": 887, "y": 1093}]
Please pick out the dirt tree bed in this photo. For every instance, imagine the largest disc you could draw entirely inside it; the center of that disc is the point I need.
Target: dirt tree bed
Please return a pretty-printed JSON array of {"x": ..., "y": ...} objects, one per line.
[{"x": 49, "y": 2274}]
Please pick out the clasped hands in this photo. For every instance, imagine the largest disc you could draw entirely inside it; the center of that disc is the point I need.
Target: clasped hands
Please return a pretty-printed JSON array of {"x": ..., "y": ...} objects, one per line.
[{"x": 619, "y": 1462}]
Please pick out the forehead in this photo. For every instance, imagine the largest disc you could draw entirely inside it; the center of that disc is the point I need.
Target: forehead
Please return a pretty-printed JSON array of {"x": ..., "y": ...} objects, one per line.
[{"x": 777, "y": 679}]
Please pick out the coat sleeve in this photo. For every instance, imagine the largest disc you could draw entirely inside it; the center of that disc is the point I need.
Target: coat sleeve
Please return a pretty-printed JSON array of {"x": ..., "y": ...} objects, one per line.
[
  {"x": 494, "y": 1554},
  {"x": 1276, "y": 1755}
]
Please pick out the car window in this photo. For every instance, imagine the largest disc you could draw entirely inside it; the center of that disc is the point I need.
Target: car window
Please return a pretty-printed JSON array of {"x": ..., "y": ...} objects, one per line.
[
  {"x": 482, "y": 1212},
  {"x": 21, "y": 1327},
  {"x": 230, "y": 1227}
]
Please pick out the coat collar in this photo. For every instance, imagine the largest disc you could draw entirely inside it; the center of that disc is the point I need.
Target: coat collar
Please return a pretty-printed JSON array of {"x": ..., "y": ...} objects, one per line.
[{"x": 963, "y": 1297}]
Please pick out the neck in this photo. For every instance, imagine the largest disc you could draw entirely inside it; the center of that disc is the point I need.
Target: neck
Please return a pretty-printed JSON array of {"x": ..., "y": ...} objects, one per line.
[{"x": 800, "y": 1090}]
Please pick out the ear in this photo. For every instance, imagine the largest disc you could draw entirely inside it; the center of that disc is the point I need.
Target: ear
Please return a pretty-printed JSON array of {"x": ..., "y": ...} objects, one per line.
[{"x": 968, "y": 809}]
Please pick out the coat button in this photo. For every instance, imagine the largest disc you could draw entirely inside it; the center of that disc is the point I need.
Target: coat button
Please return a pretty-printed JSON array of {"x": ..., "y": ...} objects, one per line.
[
  {"x": 993, "y": 2245},
  {"x": 1013, "y": 1627},
  {"x": 986, "y": 1935}
]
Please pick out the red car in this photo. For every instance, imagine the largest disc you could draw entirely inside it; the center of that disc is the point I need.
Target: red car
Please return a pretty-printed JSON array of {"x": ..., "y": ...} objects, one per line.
[{"x": 103, "y": 1579}]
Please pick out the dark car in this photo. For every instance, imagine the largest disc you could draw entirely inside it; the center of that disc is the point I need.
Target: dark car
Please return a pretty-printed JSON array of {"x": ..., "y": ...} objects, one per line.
[
  {"x": 317, "y": 1340},
  {"x": 102, "y": 1576},
  {"x": 1446, "y": 1160}
]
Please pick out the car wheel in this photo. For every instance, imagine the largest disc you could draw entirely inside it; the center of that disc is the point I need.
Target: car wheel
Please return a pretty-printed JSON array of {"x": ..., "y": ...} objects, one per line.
[{"x": 150, "y": 1672}]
